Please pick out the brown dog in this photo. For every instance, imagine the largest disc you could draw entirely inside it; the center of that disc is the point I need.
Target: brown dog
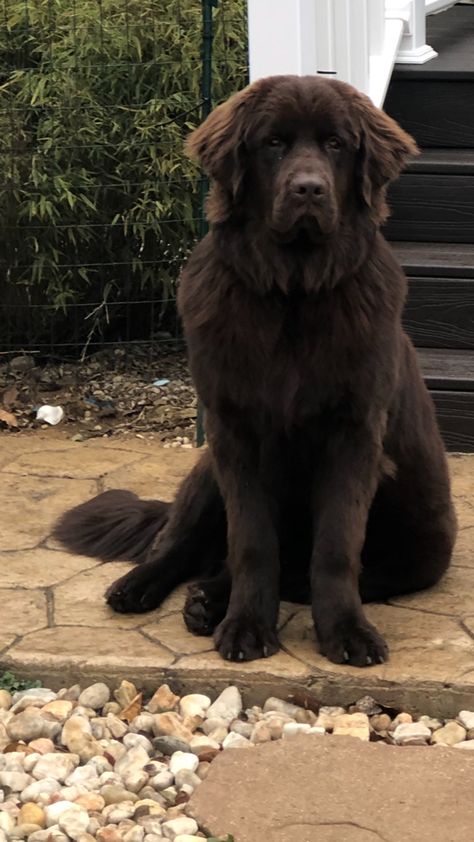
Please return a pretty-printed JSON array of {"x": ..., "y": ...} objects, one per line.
[{"x": 325, "y": 479}]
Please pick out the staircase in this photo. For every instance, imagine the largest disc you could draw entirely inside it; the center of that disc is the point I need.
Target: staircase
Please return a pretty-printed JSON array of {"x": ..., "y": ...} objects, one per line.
[{"x": 432, "y": 221}]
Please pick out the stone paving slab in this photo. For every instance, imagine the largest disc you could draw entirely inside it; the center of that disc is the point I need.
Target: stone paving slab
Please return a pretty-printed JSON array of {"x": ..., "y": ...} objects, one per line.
[
  {"x": 55, "y": 625},
  {"x": 337, "y": 789}
]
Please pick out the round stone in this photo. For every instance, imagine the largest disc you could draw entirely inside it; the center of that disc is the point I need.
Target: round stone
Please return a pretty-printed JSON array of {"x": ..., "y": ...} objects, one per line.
[
  {"x": 113, "y": 794},
  {"x": 31, "y": 813},
  {"x": 53, "y": 811},
  {"x": 27, "y": 725},
  {"x": 195, "y": 704},
  {"x": 95, "y": 696},
  {"x": 182, "y": 826},
  {"x": 183, "y": 760},
  {"x": 168, "y": 745},
  {"x": 74, "y": 822}
]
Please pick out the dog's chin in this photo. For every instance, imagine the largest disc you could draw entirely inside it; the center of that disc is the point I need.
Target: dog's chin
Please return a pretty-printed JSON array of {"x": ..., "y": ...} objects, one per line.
[{"x": 308, "y": 230}]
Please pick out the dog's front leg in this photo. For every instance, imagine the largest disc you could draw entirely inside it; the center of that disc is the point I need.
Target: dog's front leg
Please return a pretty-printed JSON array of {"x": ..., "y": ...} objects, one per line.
[
  {"x": 345, "y": 486},
  {"x": 248, "y": 630}
]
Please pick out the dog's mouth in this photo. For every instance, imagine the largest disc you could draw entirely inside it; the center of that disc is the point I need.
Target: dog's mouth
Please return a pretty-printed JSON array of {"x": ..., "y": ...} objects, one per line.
[{"x": 311, "y": 227}]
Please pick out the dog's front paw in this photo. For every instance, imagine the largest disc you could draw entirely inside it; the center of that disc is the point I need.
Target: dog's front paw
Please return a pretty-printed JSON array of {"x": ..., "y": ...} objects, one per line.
[
  {"x": 354, "y": 642},
  {"x": 136, "y": 592},
  {"x": 245, "y": 639}
]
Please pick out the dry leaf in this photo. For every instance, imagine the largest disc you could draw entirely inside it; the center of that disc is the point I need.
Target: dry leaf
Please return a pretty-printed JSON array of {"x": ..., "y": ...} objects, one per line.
[
  {"x": 9, "y": 397},
  {"x": 133, "y": 709},
  {"x": 8, "y": 418}
]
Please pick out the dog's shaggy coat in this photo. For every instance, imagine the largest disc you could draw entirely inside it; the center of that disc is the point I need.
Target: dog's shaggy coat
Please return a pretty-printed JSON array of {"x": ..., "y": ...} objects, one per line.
[{"x": 325, "y": 479}]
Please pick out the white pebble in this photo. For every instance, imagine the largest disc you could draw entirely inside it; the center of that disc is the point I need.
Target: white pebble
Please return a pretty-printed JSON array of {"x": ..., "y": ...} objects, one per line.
[
  {"x": 467, "y": 744},
  {"x": 40, "y": 791},
  {"x": 236, "y": 741},
  {"x": 53, "y": 811},
  {"x": 466, "y": 718},
  {"x": 212, "y": 724},
  {"x": 55, "y": 765},
  {"x": 162, "y": 780},
  {"x": 183, "y": 760},
  {"x": 292, "y": 729},
  {"x": 411, "y": 733},
  {"x": 34, "y": 697},
  {"x": 227, "y": 706},
  {"x": 132, "y": 740},
  {"x": 74, "y": 822},
  {"x": 195, "y": 704},
  {"x": 135, "y": 758},
  {"x": 183, "y": 826},
  {"x": 274, "y": 704},
  {"x": 17, "y": 781}
]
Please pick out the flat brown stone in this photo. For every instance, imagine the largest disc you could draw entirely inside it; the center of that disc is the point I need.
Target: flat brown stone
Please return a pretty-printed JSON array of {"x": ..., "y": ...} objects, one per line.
[
  {"x": 22, "y": 610},
  {"x": 79, "y": 463},
  {"x": 431, "y": 635},
  {"x": 155, "y": 477},
  {"x": 6, "y": 640},
  {"x": 172, "y": 633},
  {"x": 337, "y": 789},
  {"x": 40, "y": 568},
  {"x": 80, "y": 601},
  {"x": 30, "y": 506},
  {"x": 76, "y": 653},
  {"x": 451, "y": 596},
  {"x": 464, "y": 551},
  {"x": 281, "y": 665}
]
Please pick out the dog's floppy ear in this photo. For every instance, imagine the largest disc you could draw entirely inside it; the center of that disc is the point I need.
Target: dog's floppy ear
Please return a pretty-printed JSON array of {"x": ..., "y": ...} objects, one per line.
[
  {"x": 217, "y": 145},
  {"x": 383, "y": 152}
]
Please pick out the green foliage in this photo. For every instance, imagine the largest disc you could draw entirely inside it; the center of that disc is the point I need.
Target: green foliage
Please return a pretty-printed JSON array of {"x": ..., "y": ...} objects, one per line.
[
  {"x": 97, "y": 201},
  {"x": 10, "y": 682}
]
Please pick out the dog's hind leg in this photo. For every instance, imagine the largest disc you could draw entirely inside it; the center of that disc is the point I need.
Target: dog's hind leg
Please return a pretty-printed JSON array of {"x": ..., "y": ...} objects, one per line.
[{"x": 192, "y": 541}]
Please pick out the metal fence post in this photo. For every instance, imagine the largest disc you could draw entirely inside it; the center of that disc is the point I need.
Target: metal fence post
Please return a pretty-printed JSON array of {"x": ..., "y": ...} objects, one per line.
[{"x": 206, "y": 96}]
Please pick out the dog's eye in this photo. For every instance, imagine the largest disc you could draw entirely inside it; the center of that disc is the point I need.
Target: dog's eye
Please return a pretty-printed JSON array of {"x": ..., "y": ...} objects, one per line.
[
  {"x": 275, "y": 142},
  {"x": 333, "y": 143}
]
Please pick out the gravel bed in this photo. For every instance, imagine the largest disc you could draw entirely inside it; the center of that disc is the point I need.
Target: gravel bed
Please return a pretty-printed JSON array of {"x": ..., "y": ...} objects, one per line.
[{"x": 88, "y": 764}]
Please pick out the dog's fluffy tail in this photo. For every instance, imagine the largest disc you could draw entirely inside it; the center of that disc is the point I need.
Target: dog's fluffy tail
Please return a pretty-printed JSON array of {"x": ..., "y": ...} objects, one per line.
[{"x": 113, "y": 526}]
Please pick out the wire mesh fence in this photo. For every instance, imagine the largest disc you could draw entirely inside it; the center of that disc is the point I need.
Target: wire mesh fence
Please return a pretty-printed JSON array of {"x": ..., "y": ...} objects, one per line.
[{"x": 98, "y": 204}]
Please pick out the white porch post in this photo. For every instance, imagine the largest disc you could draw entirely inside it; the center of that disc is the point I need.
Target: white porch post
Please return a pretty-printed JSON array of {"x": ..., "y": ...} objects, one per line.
[
  {"x": 413, "y": 49},
  {"x": 282, "y": 37}
]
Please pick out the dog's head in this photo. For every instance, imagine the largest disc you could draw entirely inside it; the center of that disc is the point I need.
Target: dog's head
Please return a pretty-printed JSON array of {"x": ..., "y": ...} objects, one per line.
[{"x": 299, "y": 154}]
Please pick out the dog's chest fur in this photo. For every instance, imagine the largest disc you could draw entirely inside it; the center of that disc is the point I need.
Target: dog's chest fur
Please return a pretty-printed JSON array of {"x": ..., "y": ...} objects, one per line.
[{"x": 286, "y": 358}]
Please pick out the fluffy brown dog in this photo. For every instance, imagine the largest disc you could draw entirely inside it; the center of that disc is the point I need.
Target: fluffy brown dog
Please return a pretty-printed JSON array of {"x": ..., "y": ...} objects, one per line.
[{"x": 325, "y": 479}]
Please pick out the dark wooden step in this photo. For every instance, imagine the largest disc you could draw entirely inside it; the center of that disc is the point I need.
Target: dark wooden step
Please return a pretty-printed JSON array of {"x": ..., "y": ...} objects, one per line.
[
  {"x": 455, "y": 413},
  {"x": 443, "y": 161},
  {"x": 434, "y": 101},
  {"x": 448, "y": 370},
  {"x": 434, "y": 200},
  {"x": 449, "y": 375},
  {"x": 445, "y": 260},
  {"x": 439, "y": 312},
  {"x": 435, "y": 112}
]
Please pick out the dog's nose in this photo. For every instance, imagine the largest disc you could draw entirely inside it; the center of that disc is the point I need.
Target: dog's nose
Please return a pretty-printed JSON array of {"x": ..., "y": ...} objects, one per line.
[{"x": 308, "y": 186}]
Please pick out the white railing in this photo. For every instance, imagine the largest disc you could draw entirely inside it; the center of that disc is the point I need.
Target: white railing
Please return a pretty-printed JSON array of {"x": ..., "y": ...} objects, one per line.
[{"x": 358, "y": 41}]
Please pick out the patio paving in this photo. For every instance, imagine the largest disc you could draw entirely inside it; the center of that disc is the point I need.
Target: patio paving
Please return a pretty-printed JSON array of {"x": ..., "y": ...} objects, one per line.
[{"x": 55, "y": 625}]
